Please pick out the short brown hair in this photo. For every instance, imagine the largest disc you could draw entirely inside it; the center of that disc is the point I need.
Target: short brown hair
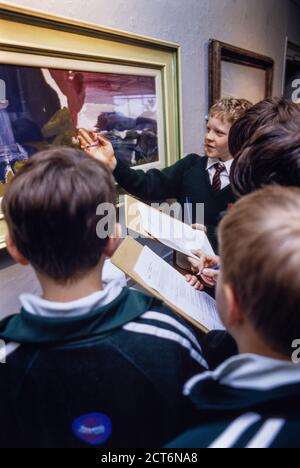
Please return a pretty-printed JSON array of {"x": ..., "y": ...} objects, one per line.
[
  {"x": 260, "y": 253},
  {"x": 268, "y": 112},
  {"x": 229, "y": 108},
  {"x": 50, "y": 208},
  {"x": 271, "y": 157}
]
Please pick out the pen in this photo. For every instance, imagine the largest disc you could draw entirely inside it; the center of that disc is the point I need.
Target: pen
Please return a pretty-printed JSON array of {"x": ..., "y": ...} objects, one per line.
[
  {"x": 215, "y": 268},
  {"x": 93, "y": 146}
]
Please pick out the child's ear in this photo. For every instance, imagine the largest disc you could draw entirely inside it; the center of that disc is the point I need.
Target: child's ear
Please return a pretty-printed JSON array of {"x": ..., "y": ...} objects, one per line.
[
  {"x": 234, "y": 315},
  {"x": 14, "y": 252},
  {"x": 113, "y": 241}
]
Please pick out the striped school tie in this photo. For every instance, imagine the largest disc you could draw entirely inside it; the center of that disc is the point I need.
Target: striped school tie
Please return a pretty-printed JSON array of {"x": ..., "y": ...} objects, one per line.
[{"x": 216, "y": 183}]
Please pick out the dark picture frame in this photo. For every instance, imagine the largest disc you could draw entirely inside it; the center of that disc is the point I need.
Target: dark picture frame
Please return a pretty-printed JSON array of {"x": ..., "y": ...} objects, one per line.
[{"x": 221, "y": 52}]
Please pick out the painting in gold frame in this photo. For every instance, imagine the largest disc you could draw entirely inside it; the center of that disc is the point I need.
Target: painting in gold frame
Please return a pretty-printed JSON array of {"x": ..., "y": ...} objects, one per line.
[{"x": 137, "y": 78}]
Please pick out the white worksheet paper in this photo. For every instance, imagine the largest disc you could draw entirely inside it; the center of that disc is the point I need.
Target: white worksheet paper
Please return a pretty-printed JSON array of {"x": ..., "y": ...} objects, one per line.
[
  {"x": 170, "y": 284},
  {"x": 173, "y": 233}
]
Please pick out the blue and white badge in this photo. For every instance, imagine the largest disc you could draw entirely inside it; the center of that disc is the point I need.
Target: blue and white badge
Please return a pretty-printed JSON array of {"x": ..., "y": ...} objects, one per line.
[{"x": 94, "y": 428}]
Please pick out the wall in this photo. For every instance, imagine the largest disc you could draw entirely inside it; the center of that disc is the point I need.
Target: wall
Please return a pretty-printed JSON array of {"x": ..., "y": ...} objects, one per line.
[{"x": 260, "y": 25}]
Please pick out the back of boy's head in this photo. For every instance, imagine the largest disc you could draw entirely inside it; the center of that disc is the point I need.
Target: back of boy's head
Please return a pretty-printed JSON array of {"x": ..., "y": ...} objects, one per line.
[
  {"x": 229, "y": 109},
  {"x": 271, "y": 157},
  {"x": 268, "y": 112},
  {"x": 50, "y": 208},
  {"x": 260, "y": 253}
]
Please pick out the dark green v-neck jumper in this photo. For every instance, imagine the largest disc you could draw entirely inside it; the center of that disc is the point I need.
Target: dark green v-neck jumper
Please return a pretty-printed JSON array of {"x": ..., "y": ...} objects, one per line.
[{"x": 188, "y": 179}]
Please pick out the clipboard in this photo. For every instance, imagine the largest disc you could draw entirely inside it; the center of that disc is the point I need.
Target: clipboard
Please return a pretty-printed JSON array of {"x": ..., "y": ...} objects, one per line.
[
  {"x": 134, "y": 223},
  {"x": 126, "y": 257}
]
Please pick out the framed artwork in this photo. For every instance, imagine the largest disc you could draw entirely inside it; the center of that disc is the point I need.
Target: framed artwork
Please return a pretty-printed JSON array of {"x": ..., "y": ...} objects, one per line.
[
  {"x": 239, "y": 73},
  {"x": 58, "y": 75}
]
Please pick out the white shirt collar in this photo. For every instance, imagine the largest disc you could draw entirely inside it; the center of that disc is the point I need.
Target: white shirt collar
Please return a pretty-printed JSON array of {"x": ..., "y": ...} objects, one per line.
[
  {"x": 36, "y": 305},
  {"x": 211, "y": 162},
  {"x": 250, "y": 371}
]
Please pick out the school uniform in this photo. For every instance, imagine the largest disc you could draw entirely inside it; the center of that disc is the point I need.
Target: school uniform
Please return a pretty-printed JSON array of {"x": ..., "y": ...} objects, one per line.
[
  {"x": 189, "y": 179},
  {"x": 249, "y": 401},
  {"x": 106, "y": 371},
  {"x": 217, "y": 346}
]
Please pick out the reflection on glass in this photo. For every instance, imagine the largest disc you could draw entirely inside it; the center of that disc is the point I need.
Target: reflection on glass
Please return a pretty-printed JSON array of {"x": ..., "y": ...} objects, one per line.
[
  {"x": 243, "y": 81},
  {"x": 45, "y": 107}
]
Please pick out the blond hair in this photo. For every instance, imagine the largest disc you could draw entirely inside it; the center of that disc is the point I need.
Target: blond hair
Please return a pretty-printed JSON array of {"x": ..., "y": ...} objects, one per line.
[
  {"x": 260, "y": 252},
  {"x": 230, "y": 109}
]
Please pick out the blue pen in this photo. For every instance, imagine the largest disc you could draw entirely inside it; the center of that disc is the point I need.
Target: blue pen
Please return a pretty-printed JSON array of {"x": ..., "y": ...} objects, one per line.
[
  {"x": 215, "y": 268},
  {"x": 93, "y": 146},
  {"x": 189, "y": 211}
]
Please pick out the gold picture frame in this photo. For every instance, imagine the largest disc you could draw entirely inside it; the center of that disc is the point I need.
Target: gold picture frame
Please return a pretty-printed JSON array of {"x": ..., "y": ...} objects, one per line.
[{"x": 31, "y": 38}]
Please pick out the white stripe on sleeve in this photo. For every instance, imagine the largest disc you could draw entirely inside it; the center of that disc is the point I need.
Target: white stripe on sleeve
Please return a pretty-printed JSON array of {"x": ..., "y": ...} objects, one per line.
[
  {"x": 167, "y": 335},
  {"x": 267, "y": 434},
  {"x": 233, "y": 432},
  {"x": 173, "y": 322}
]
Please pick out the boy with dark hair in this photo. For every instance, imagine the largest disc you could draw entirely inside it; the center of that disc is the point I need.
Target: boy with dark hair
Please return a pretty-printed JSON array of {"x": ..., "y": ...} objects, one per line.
[
  {"x": 271, "y": 157},
  {"x": 269, "y": 112},
  {"x": 85, "y": 365},
  {"x": 198, "y": 180},
  {"x": 252, "y": 399}
]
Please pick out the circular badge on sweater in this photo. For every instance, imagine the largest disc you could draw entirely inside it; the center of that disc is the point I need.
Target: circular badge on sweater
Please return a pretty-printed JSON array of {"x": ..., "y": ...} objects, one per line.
[{"x": 92, "y": 428}]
